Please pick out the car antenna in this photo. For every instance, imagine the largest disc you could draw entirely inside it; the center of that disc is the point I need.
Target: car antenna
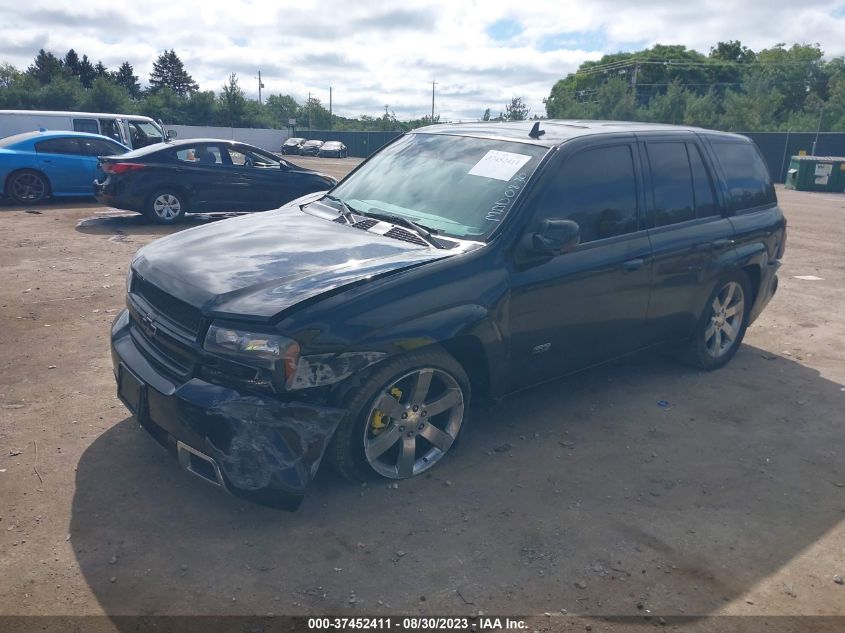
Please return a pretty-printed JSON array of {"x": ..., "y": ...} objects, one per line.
[{"x": 536, "y": 132}]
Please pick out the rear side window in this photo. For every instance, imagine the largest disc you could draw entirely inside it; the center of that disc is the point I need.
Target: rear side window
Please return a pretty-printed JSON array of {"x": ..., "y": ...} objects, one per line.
[
  {"x": 86, "y": 125},
  {"x": 746, "y": 176},
  {"x": 97, "y": 147},
  {"x": 201, "y": 155},
  {"x": 596, "y": 188},
  {"x": 705, "y": 196},
  {"x": 60, "y": 146},
  {"x": 672, "y": 183}
]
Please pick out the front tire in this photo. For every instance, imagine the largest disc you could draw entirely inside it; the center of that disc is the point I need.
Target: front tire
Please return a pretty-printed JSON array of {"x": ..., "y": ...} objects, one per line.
[
  {"x": 722, "y": 326},
  {"x": 166, "y": 207},
  {"x": 27, "y": 187},
  {"x": 404, "y": 418}
]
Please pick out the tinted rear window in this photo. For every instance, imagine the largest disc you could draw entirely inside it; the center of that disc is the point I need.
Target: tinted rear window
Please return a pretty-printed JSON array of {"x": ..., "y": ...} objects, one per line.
[
  {"x": 748, "y": 180},
  {"x": 59, "y": 146},
  {"x": 705, "y": 196},
  {"x": 672, "y": 182}
]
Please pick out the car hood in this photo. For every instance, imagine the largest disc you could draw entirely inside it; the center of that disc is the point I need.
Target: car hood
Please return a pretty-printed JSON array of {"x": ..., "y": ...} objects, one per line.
[{"x": 258, "y": 265}]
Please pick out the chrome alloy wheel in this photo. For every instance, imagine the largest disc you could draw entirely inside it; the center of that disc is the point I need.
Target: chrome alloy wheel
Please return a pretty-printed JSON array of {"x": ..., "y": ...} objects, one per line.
[
  {"x": 413, "y": 422},
  {"x": 167, "y": 206},
  {"x": 726, "y": 314}
]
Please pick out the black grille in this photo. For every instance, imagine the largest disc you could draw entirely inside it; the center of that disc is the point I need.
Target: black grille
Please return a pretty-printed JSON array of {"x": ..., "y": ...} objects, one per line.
[
  {"x": 365, "y": 224},
  {"x": 360, "y": 224},
  {"x": 164, "y": 349},
  {"x": 180, "y": 313},
  {"x": 406, "y": 236}
]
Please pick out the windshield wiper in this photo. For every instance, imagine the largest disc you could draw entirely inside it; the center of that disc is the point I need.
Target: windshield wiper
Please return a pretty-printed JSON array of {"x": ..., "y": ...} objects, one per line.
[
  {"x": 345, "y": 210},
  {"x": 423, "y": 231}
]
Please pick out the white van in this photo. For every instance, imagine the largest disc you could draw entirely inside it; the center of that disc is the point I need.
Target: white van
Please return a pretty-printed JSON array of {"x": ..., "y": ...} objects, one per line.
[{"x": 130, "y": 129}]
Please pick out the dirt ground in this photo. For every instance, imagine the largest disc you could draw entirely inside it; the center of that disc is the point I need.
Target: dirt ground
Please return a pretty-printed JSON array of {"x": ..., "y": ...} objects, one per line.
[{"x": 585, "y": 495}]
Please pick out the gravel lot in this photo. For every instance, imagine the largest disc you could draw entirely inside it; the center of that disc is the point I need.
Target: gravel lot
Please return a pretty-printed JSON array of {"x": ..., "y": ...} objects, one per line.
[{"x": 583, "y": 495}]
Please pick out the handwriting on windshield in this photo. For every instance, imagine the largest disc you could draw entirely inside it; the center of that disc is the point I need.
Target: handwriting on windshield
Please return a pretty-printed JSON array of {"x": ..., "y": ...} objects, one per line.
[{"x": 501, "y": 206}]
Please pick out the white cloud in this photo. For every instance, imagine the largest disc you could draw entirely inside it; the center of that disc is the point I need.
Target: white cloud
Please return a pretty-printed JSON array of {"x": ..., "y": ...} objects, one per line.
[{"x": 387, "y": 53}]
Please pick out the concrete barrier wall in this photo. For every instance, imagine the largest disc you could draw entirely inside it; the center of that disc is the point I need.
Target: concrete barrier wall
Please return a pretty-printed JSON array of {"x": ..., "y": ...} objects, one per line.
[{"x": 271, "y": 140}]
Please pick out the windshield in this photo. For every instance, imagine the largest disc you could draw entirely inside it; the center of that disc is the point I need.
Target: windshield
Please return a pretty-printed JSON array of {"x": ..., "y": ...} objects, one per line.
[{"x": 459, "y": 186}]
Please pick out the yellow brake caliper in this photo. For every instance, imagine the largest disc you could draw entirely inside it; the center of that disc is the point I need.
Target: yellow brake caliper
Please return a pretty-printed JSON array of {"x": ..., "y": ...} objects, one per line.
[{"x": 377, "y": 423}]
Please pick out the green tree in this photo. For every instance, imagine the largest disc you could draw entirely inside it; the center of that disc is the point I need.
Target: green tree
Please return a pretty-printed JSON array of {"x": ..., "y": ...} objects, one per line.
[
  {"x": 87, "y": 73},
  {"x": 8, "y": 75},
  {"x": 232, "y": 102},
  {"x": 615, "y": 101},
  {"x": 126, "y": 78},
  {"x": 794, "y": 72},
  {"x": 732, "y": 51},
  {"x": 516, "y": 110},
  {"x": 71, "y": 62},
  {"x": 200, "y": 108},
  {"x": 45, "y": 67},
  {"x": 63, "y": 93},
  {"x": 163, "y": 104},
  {"x": 755, "y": 110},
  {"x": 106, "y": 96},
  {"x": 702, "y": 110},
  {"x": 312, "y": 115},
  {"x": 281, "y": 108},
  {"x": 168, "y": 71},
  {"x": 668, "y": 107},
  {"x": 486, "y": 115}
]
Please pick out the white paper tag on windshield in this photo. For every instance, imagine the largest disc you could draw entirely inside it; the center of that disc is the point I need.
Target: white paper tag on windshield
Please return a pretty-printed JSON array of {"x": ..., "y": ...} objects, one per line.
[{"x": 499, "y": 165}]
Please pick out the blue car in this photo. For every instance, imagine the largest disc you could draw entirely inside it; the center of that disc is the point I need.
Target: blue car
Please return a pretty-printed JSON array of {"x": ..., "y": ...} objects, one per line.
[{"x": 37, "y": 165}]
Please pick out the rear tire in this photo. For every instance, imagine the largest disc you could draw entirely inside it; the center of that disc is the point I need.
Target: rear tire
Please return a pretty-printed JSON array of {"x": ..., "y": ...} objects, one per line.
[
  {"x": 166, "y": 206},
  {"x": 27, "y": 186},
  {"x": 403, "y": 418},
  {"x": 721, "y": 327}
]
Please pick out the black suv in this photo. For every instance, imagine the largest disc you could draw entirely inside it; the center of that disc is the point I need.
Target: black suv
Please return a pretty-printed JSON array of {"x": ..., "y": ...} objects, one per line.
[{"x": 459, "y": 261}]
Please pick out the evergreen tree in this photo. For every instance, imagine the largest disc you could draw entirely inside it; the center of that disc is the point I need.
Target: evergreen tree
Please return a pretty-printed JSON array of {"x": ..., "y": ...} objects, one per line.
[
  {"x": 87, "y": 73},
  {"x": 232, "y": 102},
  {"x": 45, "y": 67},
  {"x": 72, "y": 62},
  {"x": 169, "y": 71},
  {"x": 126, "y": 78},
  {"x": 105, "y": 96},
  {"x": 100, "y": 70}
]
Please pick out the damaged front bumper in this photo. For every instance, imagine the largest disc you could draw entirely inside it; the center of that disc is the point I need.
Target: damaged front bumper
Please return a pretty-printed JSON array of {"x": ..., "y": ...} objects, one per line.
[{"x": 257, "y": 447}]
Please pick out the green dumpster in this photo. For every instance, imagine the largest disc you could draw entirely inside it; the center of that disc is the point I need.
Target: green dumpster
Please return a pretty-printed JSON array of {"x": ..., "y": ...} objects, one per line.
[{"x": 816, "y": 173}]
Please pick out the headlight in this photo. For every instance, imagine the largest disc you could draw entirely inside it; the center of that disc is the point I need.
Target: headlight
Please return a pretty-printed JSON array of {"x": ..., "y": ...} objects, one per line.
[
  {"x": 129, "y": 280},
  {"x": 267, "y": 351}
]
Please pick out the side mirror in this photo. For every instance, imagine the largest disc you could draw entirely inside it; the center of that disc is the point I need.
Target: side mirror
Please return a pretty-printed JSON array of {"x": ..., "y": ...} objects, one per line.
[
  {"x": 171, "y": 133},
  {"x": 554, "y": 238}
]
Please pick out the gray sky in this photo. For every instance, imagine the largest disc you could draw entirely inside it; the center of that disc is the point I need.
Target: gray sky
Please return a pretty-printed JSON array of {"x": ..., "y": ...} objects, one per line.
[{"x": 377, "y": 53}]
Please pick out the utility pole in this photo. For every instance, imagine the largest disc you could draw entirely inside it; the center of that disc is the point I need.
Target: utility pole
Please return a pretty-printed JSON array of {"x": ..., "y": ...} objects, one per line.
[
  {"x": 634, "y": 81},
  {"x": 330, "y": 107},
  {"x": 260, "y": 86},
  {"x": 818, "y": 129},
  {"x": 433, "y": 83}
]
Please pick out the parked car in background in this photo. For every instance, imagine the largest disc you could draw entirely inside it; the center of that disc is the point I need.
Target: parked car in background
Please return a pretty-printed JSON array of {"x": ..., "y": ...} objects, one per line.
[
  {"x": 292, "y": 145},
  {"x": 167, "y": 180},
  {"x": 459, "y": 262},
  {"x": 332, "y": 149},
  {"x": 132, "y": 130},
  {"x": 35, "y": 166},
  {"x": 310, "y": 148}
]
